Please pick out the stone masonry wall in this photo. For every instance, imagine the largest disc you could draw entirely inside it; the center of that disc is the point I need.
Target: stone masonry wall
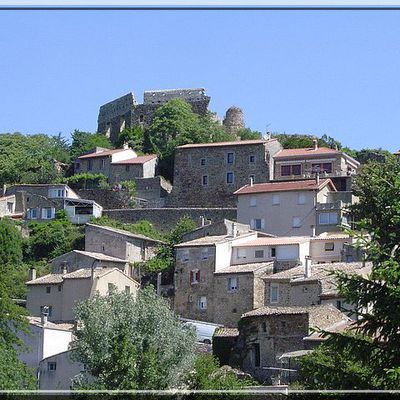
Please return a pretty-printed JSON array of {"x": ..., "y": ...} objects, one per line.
[{"x": 165, "y": 219}]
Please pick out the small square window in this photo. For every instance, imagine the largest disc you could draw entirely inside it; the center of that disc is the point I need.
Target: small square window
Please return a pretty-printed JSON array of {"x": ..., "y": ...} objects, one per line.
[
  {"x": 233, "y": 284},
  {"x": 204, "y": 254},
  {"x": 241, "y": 253},
  {"x": 230, "y": 158},
  {"x": 259, "y": 254},
  {"x": 276, "y": 200},
  {"x": 205, "y": 180},
  {"x": 185, "y": 256},
  {"x": 59, "y": 288},
  {"x": 194, "y": 276},
  {"x": 51, "y": 366},
  {"x": 202, "y": 303},
  {"x": 329, "y": 246},
  {"x": 253, "y": 201},
  {"x": 301, "y": 199},
  {"x": 296, "y": 222},
  {"x": 257, "y": 223},
  {"x": 203, "y": 161},
  {"x": 230, "y": 178},
  {"x": 48, "y": 289},
  {"x": 252, "y": 158},
  {"x": 127, "y": 168}
]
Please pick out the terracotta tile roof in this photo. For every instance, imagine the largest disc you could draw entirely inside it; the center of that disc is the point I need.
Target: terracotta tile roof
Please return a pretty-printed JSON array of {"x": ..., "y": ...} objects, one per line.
[
  {"x": 244, "y": 268},
  {"x": 136, "y": 160},
  {"x": 309, "y": 184},
  {"x": 226, "y": 332},
  {"x": 274, "y": 241},
  {"x": 220, "y": 144},
  {"x": 308, "y": 152},
  {"x": 320, "y": 316},
  {"x": 99, "y": 256},
  {"x": 124, "y": 233},
  {"x": 101, "y": 153},
  {"x": 47, "y": 279},
  {"x": 331, "y": 236},
  {"x": 338, "y": 327}
]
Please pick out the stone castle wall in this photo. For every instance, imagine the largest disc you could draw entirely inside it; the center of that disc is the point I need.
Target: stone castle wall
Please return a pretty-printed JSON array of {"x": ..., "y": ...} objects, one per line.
[{"x": 165, "y": 219}]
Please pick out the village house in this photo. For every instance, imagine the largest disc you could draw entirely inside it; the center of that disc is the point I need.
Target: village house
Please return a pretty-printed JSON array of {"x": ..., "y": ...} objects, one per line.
[
  {"x": 78, "y": 259},
  {"x": 120, "y": 243},
  {"x": 300, "y": 164},
  {"x": 207, "y": 174},
  {"x": 39, "y": 202},
  {"x": 7, "y": 207},
  {"x": 296, "y": 208},
  {"x": 117, "y": 165},
  {"x": 43, "y": 339},
  {"x": 267, "y": 333},
  {"x": 61, "y": 291},
  {"x": 311, "y": 285}
]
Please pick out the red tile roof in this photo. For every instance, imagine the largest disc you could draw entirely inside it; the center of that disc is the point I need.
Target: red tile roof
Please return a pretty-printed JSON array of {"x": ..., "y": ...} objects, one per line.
[
  {"x": 136, "y": 160},
  {"x": 285, "y": 186},
  {"x": 309, "y": 152},
  {"x": 220, "y": 144},
  {"x": 101, "y": 153}
]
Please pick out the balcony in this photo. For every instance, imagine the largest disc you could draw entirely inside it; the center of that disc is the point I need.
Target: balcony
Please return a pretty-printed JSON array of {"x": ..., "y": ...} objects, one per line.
[{"x": 333, "y": 206}]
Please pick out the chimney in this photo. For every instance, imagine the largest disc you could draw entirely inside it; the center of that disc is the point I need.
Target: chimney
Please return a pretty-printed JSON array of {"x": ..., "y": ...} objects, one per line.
[
  {"x": 234, "y": 230},
  {"x": 125, "y": 146},
  {"x": 4, "y": 189},
  {"x": 64, "y": 269},
  {"x": 44, "y": 314},
  {"x": 317, "y": 178},
  {"x": 32, "y": 274},
  {"x": 251, "y": 181},
  {"x": 315, "y": 144},
  {"x": 202, "y": 221},
  {"x": 313, "y": 230},
  {"x": 307, "y": 267}
]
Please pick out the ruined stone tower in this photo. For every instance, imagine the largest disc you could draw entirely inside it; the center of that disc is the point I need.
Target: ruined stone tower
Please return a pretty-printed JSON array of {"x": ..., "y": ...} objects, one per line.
[{"x": 234, "y": 120}]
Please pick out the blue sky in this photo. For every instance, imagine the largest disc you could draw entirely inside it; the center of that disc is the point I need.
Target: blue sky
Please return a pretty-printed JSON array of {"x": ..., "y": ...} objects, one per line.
[{"x": 316, "y": 72}]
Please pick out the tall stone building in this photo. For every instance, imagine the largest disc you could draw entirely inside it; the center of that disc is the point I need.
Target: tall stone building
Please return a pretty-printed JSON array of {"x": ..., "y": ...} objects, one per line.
[
  {"x": 125, "y": 112},
  {"x": 234, "y": 120}
]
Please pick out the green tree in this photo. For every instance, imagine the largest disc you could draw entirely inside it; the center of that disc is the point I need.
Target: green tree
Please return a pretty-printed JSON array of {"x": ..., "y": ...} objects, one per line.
[
  {"x": 134, "y": 137},
  {"x": 248, "y": 134},
  {"x": 83, "y": 142},
  {"x": 10, "y": 243},
  {"x": 142, "y": 345},
  {"x": 368, "y": 355}
]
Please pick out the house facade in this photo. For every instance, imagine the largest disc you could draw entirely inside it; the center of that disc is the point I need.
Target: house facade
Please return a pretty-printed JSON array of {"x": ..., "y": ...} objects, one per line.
[
  {"x": 296, "y": 208},
  {"x": 117, "y": 164},
  {"x": 60, "y": 292},
  {"x": 207, "y": 175},
  {"x": 299, "y": 164}
]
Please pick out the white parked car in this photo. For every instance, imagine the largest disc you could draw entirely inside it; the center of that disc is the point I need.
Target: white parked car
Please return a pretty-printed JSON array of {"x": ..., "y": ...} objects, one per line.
[{"x": 204, "y": 330}]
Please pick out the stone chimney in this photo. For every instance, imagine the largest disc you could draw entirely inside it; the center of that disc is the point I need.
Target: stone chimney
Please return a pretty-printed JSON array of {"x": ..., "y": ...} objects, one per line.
[
  {"x": 32, "y": 274},
  {"x": 44, "y": 314},
  {"x": 315, "y": 144},
  {"x": 64, "y": 269},
  {"x": 307, "y": 267}
]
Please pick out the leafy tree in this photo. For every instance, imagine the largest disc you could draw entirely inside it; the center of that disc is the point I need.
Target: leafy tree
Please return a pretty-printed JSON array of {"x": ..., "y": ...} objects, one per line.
[
  {"x": 85, "y": 180},
  {"x": 83, "y": 142},
  {"x": 31, "y": 158},
  {"x": 368, "y": 355},
  {"x": 248, "y": 134},
  {"x": 142, "y": 346},
  {"x": 10, "y": 243},
  {"x": 297, "y": 141},
  {"x": 134, "y": 137}
]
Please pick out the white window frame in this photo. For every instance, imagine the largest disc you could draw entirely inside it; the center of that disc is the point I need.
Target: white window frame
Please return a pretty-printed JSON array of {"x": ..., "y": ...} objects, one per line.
[
  {"x": 193, "y": 276},
  {"x": 233, "y": 284},
  {"x": 253, "y": 223},
  {"x": 45, "y": 211},
  {"x": 296, "y": 222},
  {"x": 202, "y": 303},
  {"x": 276, "y": 199},
  {"x": 274, "y": 287},
  {"x": 253, "y": 201},
  {"x": 30, "y": 210}
]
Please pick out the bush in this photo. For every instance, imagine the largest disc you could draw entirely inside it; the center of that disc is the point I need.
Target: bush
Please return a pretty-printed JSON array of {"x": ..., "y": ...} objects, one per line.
[{"x": 87, "y": 181}]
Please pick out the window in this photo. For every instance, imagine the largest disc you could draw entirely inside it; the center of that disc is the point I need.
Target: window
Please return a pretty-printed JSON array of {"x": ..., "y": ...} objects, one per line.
[
  {"x": 230, "y": 177},
  {"x": 204, "y": 254},
  {"x": 89, "y": 165},
  {"x": 48, "y": 213},
  {"x": 276, "y": 200},
  {"x": 202, "y": 303},
  {"x": 296, "y": 222},
  {"x": 205, "y": 180},
  {"x": 141, "y": 118},
  {"x": 328, "y": 218},
  {"x": 301, "y": 199},
  {"x": 274, "y": 293},
  {"x": 233, "y": 284},
  {"x": 257, "y": 356},
  {"x": 259, "y": 254},
  {"x": 59, "y": 288},
  {"x": 264, "y": 326},
  {"x": 56, "y": 192},
  {"x": 194, "y": 276},
  {"x": 230, "y": 158},
  {"x": 51, "y": 366},
  {"x": 48, "y": 289},
  {"x": 111, "y": 287},
  {"x": 253, "y": 201},
  {"x": 32, "y": 213},
  {"x": 329, "y": 246},
  {"x": 185, "y": 256},
  {"x": 273, "y": 251},
  {"x": 287, "y": 170},
  {"x": 241, "y": 253},
  {"x": 203, "y": 161},
  {"x": 322, "y": 167},
  {"x": 102, "y": 163},
  {"x": 257, "y": 223},
  {"x": 252, "y": 158},
  {"x": 127, "y": 289},
  {"x": 127, "y": 168}
]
